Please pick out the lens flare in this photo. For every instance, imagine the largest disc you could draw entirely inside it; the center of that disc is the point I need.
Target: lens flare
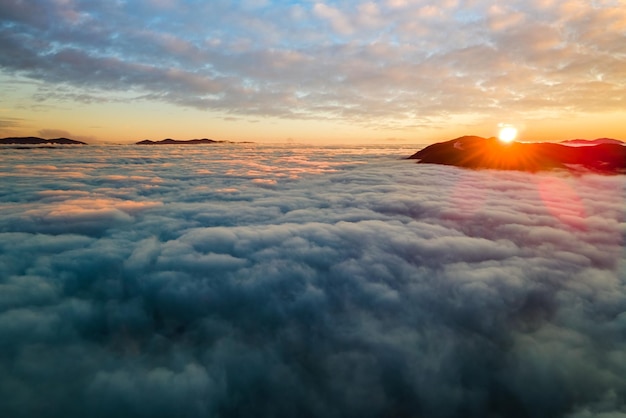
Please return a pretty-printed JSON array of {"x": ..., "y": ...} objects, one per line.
[{"x": 507, "y": 133}]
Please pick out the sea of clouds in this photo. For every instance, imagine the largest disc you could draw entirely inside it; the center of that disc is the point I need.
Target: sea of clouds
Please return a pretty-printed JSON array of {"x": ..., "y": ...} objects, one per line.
[{"x": 246, "y": 280}]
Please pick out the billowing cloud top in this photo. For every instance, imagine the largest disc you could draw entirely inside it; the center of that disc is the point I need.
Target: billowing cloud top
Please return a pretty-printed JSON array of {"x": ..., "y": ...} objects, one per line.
[
  {"x": 159, "y": 282},
  {"x": 403, "y": 61}
]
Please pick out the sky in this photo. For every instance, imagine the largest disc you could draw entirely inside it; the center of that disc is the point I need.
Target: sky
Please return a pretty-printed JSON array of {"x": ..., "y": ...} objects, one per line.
[
  {"x": 312, "y": 71},
  {"x": 306, "y": 281}
]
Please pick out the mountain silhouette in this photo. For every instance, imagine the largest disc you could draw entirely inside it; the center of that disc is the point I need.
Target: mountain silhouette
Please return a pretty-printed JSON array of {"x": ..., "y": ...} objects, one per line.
[
  {"x": 478, "y": 152},
  {"x": 33, "y": 140},
  {"x": 593, "y": 141},
  {"x": 170, "y": 141}
]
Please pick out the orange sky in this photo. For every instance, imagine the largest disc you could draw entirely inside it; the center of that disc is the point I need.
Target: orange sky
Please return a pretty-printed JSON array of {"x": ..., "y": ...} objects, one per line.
[{"x": 315, "y": 72}]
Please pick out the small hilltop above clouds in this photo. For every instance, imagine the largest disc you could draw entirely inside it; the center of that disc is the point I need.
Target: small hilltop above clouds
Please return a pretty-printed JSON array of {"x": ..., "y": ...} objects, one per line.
[
  {"x": 33, "y": 140},
  {"x": 602, "y": 155},
  {"x": 598, "y": 141},
  {"x": 170, "y": 141}
]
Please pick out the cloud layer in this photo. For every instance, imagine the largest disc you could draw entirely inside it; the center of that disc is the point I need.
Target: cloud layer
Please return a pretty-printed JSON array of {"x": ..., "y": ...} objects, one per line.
[
  {"x": 395, "y": 61},
  {"x": 263, "y": 281}
]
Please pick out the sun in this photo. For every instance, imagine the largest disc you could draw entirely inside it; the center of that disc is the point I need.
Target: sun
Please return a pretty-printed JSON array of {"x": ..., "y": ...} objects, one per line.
[{"x": 507, "y": 133}]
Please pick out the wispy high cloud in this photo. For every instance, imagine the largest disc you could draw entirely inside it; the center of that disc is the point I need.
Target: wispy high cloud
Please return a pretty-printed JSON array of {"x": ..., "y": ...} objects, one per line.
[
  {"x": 359, "y": 61},
  {"x": 271, "y": 282}
]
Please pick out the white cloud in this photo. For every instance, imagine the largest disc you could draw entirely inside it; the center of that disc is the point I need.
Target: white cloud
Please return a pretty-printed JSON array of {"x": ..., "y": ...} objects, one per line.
[
  {"x": 338, "y": 21},
  {"x": 431, "y": 59},
  {"x": 358, "y": 284}
]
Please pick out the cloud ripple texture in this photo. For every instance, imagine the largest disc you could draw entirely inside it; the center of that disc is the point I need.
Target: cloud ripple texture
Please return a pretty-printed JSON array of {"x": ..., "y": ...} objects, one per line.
[{"x": 266, "y": 281}]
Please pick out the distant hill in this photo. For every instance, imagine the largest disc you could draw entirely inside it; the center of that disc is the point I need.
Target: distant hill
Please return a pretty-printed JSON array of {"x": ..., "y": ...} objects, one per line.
[
  {"x": 170, "y": 141},
  {"x": 593, "y": 141},
  {"x": 33, "y": 140},
  {"x": 477, "y": 152}
]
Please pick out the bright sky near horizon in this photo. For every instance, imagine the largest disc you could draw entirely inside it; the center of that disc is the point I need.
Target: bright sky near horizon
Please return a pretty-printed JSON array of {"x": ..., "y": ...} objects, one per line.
[{"x": 305, "y": 71}]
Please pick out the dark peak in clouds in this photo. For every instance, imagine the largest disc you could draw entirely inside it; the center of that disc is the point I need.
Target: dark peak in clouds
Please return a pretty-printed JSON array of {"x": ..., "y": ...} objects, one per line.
[
  {"x": 170, "y": 141},
  {"x": 33, "y": 140},
  {"x": 593, "y": 141},
  {"x": 478, "y": 152}
]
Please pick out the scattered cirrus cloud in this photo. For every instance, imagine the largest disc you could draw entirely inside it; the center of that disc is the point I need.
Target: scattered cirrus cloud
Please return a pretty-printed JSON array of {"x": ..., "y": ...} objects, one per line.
[
  {"x": 357, "y": 61},
  {"x": 248, "y": 280},
  {"x": 9, "y": 125}
]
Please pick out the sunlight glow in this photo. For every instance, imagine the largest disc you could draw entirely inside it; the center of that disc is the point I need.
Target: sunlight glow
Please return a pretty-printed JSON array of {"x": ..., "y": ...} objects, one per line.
[{"x": 507, "y": 133}]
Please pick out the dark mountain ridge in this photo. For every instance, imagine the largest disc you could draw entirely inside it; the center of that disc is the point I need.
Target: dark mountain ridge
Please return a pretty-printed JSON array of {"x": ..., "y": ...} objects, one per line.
[
  {"x": 478, "y": 152},
  {"x": 33, "y": 140},
  {"x": 170, "y": 141},
  {"x": 593, "y": 141}
]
